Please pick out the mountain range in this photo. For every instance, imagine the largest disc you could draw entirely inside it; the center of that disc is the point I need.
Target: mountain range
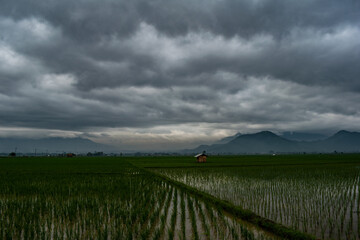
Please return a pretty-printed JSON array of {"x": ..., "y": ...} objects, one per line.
[
  {"x": 268, "y": 142},
  {"x": 261, "y": 142},
  {"x": 51, "y": 145}
]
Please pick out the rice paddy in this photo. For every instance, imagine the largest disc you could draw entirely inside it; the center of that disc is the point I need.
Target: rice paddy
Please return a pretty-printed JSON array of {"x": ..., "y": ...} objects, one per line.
[
  {"x": 319, "y": 199},
  {"x": 104, "y": 198},
  {"x": 117, "y": 198}
]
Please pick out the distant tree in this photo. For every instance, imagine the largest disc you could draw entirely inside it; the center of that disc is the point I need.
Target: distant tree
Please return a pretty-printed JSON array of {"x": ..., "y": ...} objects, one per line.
[{"x": 12, "y": 154}]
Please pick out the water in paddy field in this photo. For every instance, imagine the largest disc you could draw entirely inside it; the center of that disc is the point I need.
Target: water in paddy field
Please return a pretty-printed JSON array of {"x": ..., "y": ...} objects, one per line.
[
  {"x": 126, "y": 204},
  {"x": 194, "y": 219},
  {"x": 323, "y": 201}
]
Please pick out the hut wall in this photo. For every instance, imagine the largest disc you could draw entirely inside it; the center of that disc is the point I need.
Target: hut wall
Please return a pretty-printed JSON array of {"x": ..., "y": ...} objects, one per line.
[{"x": 201, "y": 159}]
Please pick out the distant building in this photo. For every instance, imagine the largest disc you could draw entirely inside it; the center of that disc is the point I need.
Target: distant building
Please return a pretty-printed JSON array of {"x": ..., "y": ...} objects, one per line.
[
  {"x": 201, "y": 157},
  {"x": 98, "y": 154},
  {"x": 95, "y": 154},
  {"x": 12, "y": 154},
  {"x": 70, "y": 155}
]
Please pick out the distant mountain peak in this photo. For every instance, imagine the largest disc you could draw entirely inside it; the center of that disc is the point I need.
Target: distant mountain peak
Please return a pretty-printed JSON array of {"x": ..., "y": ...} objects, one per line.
[
  {"x": 228, "y": 139},
  {"x": 262, "y": 134},
  {"x": 342, "y": 132},
  {"x": 266, "y": 133},
  {"x": 345, "y": 134}
]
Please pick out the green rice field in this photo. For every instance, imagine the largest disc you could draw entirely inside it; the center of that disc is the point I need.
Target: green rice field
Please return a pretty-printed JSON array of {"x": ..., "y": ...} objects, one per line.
[
  {"x": 319, "y": 198},
  {"x": 104, "y": 198},
  {"x": 229, "y": 197}
]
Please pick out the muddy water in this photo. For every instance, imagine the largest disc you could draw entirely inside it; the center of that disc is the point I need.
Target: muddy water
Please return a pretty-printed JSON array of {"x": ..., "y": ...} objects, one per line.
[
  {"x": 320, "y": 201},
  {"x": 188, "y": 227},
  {"x": 207, "y": 218},
  {"x": 168, "y": 218},
  {"x": 199, "y": 218},
  {"x": 221, "y": 225},
  {"x": 177, "y": 231}
]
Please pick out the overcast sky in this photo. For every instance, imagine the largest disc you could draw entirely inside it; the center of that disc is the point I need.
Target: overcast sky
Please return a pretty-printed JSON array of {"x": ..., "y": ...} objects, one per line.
[{"x": 160, "y": 74}]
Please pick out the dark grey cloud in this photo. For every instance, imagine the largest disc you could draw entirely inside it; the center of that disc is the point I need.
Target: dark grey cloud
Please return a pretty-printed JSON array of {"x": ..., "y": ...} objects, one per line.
[
  {"x": 261, "y": 64},
  {"x": 90, "y": 20},
  {"x": 83, "y": 20},
  {"x": 89, "y": 26}
]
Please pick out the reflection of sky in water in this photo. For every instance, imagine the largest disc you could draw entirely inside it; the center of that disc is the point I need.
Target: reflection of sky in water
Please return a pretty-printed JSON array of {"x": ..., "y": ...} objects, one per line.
[{"x": 317, "y": 199}]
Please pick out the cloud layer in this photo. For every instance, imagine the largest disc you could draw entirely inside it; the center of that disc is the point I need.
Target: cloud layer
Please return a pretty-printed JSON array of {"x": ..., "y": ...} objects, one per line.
[{"x": 189, "y": 68}]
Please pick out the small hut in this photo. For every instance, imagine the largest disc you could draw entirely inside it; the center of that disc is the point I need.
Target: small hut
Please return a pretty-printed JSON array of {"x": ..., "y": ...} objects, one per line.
[
  {"x": 201, "y": 157},
  {"x": 12, "y": 154}
]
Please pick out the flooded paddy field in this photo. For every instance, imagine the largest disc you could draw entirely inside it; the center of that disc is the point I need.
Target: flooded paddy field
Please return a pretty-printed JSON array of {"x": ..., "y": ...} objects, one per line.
[
  {"x": 318, "y": 197},
  {"x": 104, "y": 198}
]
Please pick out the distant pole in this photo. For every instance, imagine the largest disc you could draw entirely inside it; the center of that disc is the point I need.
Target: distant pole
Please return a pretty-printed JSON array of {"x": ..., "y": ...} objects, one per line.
[
  {"x": 35, "y": 152},
  {"x": 15, "y": 149}
]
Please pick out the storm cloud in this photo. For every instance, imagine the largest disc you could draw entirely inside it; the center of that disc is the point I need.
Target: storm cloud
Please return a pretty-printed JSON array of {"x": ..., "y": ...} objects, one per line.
[{"x": 122, "y": 70}]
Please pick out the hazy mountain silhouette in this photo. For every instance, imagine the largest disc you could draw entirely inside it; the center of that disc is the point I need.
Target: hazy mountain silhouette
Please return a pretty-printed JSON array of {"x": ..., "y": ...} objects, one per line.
[
  {"x": 268, "y": 142},
  {"x": 303, "y": 136},
  {"x": 262, "y": 142},
  {"x": 228, "y": 139},
  {"x": 51, "y": 145},
  {"x": 343, "y": 141}
]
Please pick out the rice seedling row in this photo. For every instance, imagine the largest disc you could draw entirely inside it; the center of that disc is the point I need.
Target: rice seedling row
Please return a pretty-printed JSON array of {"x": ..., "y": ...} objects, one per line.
[{"x": 323, "y": 201}]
